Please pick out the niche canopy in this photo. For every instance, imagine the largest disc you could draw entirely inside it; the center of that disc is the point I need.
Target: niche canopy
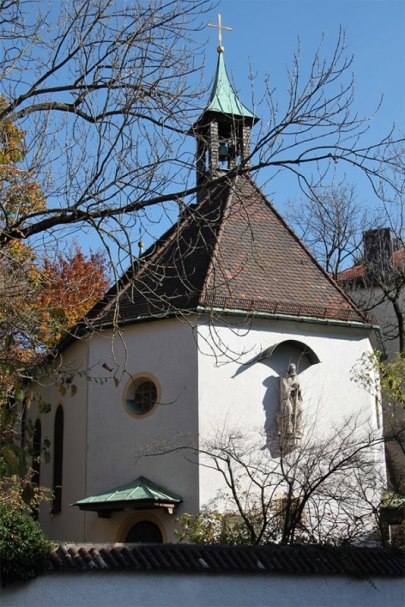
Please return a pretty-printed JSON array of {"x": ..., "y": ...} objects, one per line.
[{"x": 303, "y": 348}]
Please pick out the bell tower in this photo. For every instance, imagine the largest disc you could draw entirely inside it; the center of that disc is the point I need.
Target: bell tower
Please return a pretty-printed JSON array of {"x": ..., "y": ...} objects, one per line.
[{"x": 223, "y": 129}]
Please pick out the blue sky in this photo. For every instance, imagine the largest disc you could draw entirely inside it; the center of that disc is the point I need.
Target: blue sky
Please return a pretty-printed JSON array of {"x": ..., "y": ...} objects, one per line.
[
  {"x": 265, "y": 36},
  {"x": 265, "y": 33}
]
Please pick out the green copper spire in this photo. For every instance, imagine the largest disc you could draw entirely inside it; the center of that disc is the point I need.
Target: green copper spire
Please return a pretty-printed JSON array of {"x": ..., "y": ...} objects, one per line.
[
  {"x": 223, "y": 98},
  {"x": 222, "y": 131}
]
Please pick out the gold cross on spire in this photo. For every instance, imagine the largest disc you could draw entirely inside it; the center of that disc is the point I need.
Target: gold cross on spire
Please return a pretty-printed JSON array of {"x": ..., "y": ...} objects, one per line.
[{"x": 220, "y": 28}]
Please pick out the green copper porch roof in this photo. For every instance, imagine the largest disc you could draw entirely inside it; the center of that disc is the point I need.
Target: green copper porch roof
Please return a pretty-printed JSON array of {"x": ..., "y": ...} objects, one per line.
[
  {"x": 140, "y": 490},
  {"x": 223, "y": 98}
]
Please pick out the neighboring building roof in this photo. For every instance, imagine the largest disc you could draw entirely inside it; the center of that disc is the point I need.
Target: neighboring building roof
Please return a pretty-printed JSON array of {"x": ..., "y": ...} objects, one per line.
[
  {"x": 142, "y": 493},
  {"x": 356, "y": 273},
  {"x": 233, "y": 252},
  {"x": 268, "y": 559}
]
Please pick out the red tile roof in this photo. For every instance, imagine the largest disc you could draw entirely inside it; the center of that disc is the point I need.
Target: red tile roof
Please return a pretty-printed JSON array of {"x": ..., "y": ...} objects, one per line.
[
  {"x": 268, "y": 559},
  {"x": 260, "y": 264},
  {"x": 356, "y": 273},
  {"x": 232, "y": 251}
]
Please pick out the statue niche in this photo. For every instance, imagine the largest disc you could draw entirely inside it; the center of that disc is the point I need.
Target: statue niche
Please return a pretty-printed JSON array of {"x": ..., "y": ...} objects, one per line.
[{"x": 289, "y": 417}]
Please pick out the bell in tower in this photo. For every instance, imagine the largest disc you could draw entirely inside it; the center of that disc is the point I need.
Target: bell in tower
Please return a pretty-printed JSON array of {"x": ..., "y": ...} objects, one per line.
[{"x": 223, "y": 130}]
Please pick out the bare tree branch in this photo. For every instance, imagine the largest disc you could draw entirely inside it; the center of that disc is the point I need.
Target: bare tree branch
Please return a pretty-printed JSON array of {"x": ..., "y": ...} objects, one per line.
[{"x": 107, "y": 97}]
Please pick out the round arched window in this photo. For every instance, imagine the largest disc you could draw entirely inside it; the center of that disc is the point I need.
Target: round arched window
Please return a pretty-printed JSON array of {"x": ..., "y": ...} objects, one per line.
[
  {"x": 144, "y": 532},
  {"x": 142, "y": 396}
]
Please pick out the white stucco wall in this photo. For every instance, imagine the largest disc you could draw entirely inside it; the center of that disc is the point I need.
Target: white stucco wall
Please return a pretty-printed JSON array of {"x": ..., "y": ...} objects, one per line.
[
  {"x": 235, "y": 392},
  {"x": 383, "y": 310},
  {"x": 200, "y": 391},
  {"x": 394, "y": 415},
  {"x": 130, "y": 589},
  {"x": 164, "y": 350},
  {"x": 69, "y": 524},
  {"x": 102, "y": 441}
]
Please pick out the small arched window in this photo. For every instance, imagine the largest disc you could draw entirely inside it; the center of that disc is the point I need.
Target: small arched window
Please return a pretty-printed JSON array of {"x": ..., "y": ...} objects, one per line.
[
  {"x": 144, "y": 532},
  {"x": 36, "y": 459},
  {"x": 36, "y": 454},
  {"x": 57, "y": 460}
]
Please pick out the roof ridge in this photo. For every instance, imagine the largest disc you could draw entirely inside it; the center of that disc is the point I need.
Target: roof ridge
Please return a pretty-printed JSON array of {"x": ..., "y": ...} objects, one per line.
[
  {"x": 147, "y": 258},
  {"x": 173, "y": 231},
  {"x": 306, "y": 249},
  {"x": 215, "y": 249}
]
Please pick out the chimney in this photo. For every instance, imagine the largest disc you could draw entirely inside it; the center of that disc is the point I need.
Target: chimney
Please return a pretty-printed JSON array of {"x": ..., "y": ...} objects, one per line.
[{"x": 378, "y": 250}]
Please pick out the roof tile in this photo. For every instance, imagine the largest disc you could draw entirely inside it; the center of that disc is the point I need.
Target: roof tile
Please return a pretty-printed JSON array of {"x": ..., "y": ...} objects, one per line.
[
  {"x": 268, "y": 559},
  {"x": 231, "y": 251}
]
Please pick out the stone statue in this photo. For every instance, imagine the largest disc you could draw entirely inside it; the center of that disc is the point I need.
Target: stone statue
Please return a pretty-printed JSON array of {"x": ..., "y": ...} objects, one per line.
[{"x": 290, "y": 414}]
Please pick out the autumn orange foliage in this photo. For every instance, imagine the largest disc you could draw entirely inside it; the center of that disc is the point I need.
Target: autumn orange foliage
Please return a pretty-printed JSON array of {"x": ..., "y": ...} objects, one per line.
[
  {"x": 41, "y": 297},
  {"x": 70, "y": 285},
  {"x": 20, "y": 195}
]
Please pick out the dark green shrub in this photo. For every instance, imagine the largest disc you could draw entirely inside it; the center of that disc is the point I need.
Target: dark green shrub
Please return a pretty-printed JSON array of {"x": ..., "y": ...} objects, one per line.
[{"x": 24, "y": 549}]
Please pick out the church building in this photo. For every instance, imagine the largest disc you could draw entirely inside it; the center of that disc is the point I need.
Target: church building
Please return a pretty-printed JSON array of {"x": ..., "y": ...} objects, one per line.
[{"x": 226, "y": 322}]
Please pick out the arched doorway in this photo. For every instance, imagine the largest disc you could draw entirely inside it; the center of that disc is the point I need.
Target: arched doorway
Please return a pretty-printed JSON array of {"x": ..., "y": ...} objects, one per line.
[{"x": 144, "y": 532}]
